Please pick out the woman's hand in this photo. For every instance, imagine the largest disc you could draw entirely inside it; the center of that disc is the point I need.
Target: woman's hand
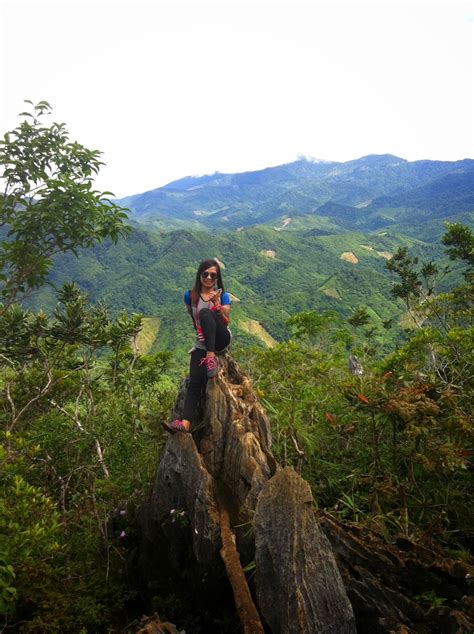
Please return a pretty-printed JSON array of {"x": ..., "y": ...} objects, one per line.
[{"x": 215, "y": 297}]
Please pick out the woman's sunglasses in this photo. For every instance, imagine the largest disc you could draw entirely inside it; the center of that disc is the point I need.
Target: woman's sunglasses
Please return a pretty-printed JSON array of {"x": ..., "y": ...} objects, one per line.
[{"x": 213, "y": 276}]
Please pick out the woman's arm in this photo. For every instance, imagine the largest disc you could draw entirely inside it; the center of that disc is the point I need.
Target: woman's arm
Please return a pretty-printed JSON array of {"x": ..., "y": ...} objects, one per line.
[
  {"x": 223, "y": 309},
  {"x": 225, "y": 312},
  {"x": 187, "y": 303}
]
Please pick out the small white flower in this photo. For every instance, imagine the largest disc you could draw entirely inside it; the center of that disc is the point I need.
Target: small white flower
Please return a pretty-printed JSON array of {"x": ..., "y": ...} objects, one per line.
[
  {"x": 196, "y": 531},
  {"x": 172, "y": 511},
  {"x": 123, "y": 512},
  {"x": 183, "y": 513}
]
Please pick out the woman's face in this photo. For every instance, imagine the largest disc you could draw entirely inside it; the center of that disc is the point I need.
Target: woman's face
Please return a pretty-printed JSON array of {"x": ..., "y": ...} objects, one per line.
[{"x": 208, "y": 278}]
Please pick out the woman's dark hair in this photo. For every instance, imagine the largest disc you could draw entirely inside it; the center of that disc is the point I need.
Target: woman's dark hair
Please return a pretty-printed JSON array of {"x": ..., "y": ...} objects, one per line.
[{"x": 206, "y": 264}]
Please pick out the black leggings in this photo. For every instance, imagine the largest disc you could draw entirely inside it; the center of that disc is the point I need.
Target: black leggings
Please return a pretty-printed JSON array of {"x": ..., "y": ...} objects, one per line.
[{"x": 216, "y": 338}]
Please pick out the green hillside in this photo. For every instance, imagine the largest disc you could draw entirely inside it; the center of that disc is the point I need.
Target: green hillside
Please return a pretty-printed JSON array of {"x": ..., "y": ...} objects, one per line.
[
  {"x": 296, "y": 237},
  {"x": 304, "y": 236},
  {"x": 271, "y": 274}
]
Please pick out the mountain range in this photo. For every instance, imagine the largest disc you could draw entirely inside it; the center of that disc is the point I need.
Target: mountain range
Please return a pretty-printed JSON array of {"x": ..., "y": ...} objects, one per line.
[
  {"x": 367, "y": 193},
  {"x": 303, "y": 236}
]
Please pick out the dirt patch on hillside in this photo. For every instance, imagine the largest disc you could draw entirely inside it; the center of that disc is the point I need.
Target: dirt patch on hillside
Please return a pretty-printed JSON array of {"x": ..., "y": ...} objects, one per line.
[
  {"x": 268, "y": 253},
  {"x": 285, "y": 223},
  {"x": 348, "y": 256},
  {"x": 234, "y": 298},
  {"x": 385, "y": 254},
  {"x": 331, "y": 292},
  {"x": 221, "y": 264},
  {"x": 254, "y": 328}
]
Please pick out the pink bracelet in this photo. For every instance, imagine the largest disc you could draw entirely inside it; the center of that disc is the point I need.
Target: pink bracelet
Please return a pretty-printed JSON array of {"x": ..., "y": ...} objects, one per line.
[{"x": 216, "y": 308}]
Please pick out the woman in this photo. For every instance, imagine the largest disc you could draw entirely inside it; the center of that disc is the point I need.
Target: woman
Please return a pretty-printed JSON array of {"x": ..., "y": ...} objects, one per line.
[{"x": 209, "y": 308}]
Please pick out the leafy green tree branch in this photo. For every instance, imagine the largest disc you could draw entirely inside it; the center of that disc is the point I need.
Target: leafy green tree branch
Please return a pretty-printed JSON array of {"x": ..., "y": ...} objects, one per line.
[{"x": 48, "y": 204}]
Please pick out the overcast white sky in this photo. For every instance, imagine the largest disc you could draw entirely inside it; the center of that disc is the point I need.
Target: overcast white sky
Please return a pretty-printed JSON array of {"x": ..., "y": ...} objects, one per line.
[{"x": 168, "y": 89}]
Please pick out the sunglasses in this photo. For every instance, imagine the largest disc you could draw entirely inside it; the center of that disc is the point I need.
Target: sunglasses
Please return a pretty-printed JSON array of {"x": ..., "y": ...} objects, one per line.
[{"x": 213, "y": 276}]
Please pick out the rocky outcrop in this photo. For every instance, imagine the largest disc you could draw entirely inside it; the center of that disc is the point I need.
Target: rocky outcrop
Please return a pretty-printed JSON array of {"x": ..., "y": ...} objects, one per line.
[
  {"x": 299, "y": 588},
  {"x": 224, "y": 463},
  {"x": 401, "y": 586},
  {"x": 219, "y": 495},
  {"x": 235, "y": 440},
  {"x": 184, "y": 491}
]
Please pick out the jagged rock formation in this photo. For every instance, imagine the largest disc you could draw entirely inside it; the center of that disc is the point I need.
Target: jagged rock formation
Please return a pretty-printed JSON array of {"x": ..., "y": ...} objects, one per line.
[
  {"x": 229, "y": 458},
  {"x": 299, "y": 588},
  {"x": 386, "y": 582},
  {"x": 224, "y": 475}
]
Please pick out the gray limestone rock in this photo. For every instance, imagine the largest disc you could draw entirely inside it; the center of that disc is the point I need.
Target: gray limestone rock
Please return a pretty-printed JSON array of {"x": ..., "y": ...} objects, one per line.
[
  {"x": 299, "y": 588},
  {"x": 184, "y": 485}
]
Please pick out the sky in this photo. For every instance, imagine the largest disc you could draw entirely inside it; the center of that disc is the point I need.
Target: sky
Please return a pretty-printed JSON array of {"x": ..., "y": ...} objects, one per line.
[{"x": 170, "y": 89}]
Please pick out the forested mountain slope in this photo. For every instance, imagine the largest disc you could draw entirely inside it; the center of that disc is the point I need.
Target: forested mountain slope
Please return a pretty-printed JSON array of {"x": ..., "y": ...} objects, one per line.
[
  {"x": 374, "y": 191},
  {"x": 302, "y": 236},
  {"x": 271, "y": 275}
]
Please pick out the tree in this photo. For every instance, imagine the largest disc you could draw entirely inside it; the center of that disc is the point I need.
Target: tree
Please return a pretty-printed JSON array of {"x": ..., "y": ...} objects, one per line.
[
  {"x": 78, "y": 405},
  {"x": 443, "y": 321},
  {"x": 460, "y": 242},
  {"x": 48, "y": 204},
  {"x": 416, "y": 284}
]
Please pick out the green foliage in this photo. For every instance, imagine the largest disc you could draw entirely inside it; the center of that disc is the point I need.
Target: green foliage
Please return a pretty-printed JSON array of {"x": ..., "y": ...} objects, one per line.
[
  {"x": 430, "y": 600},
  {"x": 30, "y": 533},
  {"x": 81, "y": 410},
  {"x": 79, "y": 407},
  {"x": 460, "y": 242},
  {"x": 441, "y": 344},
  {"x": 322, "y": 331},
  {"x": 48, "y": 205},
  {"x": 148, "y": 274},
  {"x": 359, "y": 317},
  {"x": 391, "y": 444},
  {"x": 414, "y": 285}
]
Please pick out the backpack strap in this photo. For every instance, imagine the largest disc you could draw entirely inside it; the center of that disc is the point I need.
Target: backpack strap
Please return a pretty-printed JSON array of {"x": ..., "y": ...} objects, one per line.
[
  {"x": 194, "y": 306},
  {"x": 194, "y": 312}
]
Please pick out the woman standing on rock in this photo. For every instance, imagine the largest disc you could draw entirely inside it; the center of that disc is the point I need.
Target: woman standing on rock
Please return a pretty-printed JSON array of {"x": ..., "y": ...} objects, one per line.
[{"x": 209, "y": 308}]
